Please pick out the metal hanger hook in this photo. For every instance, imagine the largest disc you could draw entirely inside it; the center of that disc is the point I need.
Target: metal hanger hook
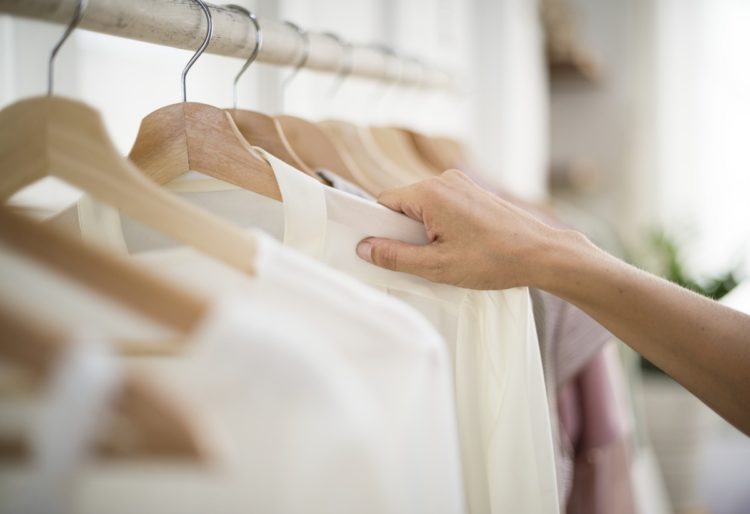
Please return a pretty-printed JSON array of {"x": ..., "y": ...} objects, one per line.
[
  {"x": 305, "y": 38},
  {"x": 256, "y": 48},
  {"x": 394, "y": 76},
  {"x": 347, "y": 63},
  {"x": 201, "y": 49},
  {"x": 423, "y": 97},
  {"x": 77, "y": 16},
  {"x": 388, "y": 53}
]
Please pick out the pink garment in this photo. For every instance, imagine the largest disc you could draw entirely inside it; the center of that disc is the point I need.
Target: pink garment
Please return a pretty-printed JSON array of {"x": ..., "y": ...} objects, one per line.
[
  {"x": 594, "y": 436},
  {"x": 568, "y": 339}
]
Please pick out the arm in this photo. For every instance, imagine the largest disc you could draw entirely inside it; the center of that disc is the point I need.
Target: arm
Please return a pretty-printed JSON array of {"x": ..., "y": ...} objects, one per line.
[{"x": 482, "y": 242}]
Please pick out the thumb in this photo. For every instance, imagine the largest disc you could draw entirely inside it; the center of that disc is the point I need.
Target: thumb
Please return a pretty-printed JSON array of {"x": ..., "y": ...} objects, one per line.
[{"x": 397, "y": 255}]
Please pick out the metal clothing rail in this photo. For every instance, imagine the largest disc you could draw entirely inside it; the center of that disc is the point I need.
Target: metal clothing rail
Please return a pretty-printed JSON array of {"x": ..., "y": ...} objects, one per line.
[{"x": 181, "y": 24}]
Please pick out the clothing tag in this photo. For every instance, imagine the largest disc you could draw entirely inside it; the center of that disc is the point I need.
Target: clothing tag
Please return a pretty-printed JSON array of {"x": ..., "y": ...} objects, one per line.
[{"x": 342, "y": 184}]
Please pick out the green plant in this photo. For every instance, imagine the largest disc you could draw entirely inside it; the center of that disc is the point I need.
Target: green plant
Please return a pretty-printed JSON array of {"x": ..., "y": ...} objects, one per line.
[{"x": 666, "y": 251}]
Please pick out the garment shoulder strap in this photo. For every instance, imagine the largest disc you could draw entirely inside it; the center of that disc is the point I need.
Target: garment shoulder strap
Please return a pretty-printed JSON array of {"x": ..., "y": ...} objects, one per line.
[{"x": 305, "y": 213}]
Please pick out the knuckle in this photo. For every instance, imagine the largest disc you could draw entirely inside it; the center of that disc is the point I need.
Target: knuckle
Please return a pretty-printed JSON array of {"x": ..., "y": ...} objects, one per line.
[
  {"x": 433, "y": 187},
  {"x": 385, "y": 196},
  {"x": 387, "y": 192},
  {"x": 436, "y": 266},
  {"x": 431, "y": 183},
  {"x": 453, "y": 175},
  {"x": 385, "y": 256}
]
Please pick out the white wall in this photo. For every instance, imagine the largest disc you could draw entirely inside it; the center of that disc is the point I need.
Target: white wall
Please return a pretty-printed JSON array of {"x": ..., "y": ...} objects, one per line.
[
  {"x": 510, "y": 96},
  {"x": 667, "y": 125},
  {"x": 703, "y": 115}
]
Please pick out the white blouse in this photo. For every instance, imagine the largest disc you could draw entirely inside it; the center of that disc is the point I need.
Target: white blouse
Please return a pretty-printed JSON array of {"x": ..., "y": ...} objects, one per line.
[
  {"x": 309, "y": 401},
  {"x": 500, "y": 395},
  {"x": 503, "y": 418}
]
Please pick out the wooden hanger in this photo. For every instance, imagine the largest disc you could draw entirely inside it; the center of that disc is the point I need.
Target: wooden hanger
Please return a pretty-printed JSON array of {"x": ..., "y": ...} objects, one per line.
[
  {"x": 317, "y": 150},
  {"x": 407, "y": 136},
  {"x": 397, "y": 147},
  {"x": 53, "y": 136},
  {"x": 264, "y": 131},
  {"x": 257, "y": 128},
  {"x": 150, "y": 295},
  {"x": 155, "y": 426},
  {"x": 378, "y": 171},
  {"x": 148, "y": 423},
  {"x": 435, "y": 153},
  {"x": 199, "y": 137},
  {"x": 404, "y": 174},
  {"x": 457, "y": 151},
  {"x": 314, "y": 146},
  {"x": 445, "y": 151}
]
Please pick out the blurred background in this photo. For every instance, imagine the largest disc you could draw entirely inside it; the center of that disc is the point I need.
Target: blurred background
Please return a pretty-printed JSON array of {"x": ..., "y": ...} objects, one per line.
[{"x": 630, "y": 118}]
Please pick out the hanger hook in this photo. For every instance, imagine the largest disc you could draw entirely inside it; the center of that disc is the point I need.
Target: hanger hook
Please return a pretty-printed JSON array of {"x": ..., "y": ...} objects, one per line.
[
  {"x": 346, "y": 61},
  {"x": 77, "y": 16},
  {"x": 201, "y": 49},
  {"x": 387, "y": 53},
  {"x": 305, "y": 38},
  {"x": 256, "y": 48}
]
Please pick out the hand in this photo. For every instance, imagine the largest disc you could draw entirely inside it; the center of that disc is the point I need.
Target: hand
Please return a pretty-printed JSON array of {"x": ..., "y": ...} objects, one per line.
[
  {"x": 477, "y": 240},
  {"x": 480, "y": 241}
]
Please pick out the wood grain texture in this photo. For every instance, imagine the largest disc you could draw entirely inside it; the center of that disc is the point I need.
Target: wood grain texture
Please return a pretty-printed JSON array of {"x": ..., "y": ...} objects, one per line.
[
  {"x": 199, "y": 137},
  {"x": 64, "y": 138},
  {"x": 397, "y": 146},
  {"x": 437, "y": 155},
  {"x": 264, "y": 131},
  {"x": 348, "y": 136},
  {"x": 316, "y": 149}
]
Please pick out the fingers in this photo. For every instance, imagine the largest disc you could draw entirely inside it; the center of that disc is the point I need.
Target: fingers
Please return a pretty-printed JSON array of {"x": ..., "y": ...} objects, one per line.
[
  {"x": 412, "y": 199},
  {"x": 415, "y": 199},
  {"x": 404, "y": 200},
  {"x": 422, "y": 260},
  {"x": 456, "y": 174}
]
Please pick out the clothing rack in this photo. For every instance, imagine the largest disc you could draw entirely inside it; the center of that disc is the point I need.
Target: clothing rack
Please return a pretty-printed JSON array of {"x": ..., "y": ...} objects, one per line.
[{"x": 181, "y": 24}]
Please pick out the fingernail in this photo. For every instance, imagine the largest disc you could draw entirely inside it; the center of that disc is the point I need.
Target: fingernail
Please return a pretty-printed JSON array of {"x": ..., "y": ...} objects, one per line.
[{"x": 364, "y": 250}]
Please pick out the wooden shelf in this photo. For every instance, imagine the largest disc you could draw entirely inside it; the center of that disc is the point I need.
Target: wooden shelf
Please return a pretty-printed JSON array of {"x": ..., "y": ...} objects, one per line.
[
  {"x": 581, "y": 67},
  {"x": 568, "y": 57}
]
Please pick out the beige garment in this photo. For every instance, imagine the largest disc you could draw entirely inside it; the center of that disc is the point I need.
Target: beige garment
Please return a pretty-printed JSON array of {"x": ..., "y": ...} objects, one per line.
[{"x": 503, "y": 420}]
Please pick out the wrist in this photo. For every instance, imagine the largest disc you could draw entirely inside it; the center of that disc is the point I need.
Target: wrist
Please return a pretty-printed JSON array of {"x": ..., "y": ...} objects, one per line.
[{"x": 556, "y": 260}]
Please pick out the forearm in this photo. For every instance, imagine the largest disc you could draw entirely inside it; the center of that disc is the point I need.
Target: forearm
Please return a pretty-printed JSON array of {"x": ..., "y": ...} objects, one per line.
[
  {"x": 703, "y": 345},
  {"x": 480, "y": 241}
]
